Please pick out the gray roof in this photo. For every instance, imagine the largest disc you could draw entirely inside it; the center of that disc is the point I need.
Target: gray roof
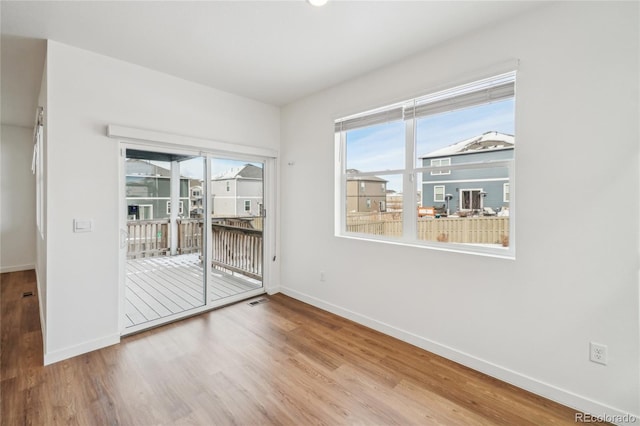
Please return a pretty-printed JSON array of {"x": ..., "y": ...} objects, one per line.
[
  {"x": 248, "y": 171},
  {"x": 364, "y": 178},
  {"x": 489, "y": 141}
]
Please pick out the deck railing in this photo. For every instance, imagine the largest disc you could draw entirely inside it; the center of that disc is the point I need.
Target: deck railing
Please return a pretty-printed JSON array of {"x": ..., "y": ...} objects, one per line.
[
  {"x": 234, "y": 249},
  {"x": 147, "y": 238},
  {"x": 470, "y": 230},
  {"x": 189, "y": 235},
  {"x": 237, "y": 250}
]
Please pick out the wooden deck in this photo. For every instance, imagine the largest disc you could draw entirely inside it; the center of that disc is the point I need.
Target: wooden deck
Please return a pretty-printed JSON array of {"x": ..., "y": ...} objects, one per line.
[{"x": 161, "y": 286}]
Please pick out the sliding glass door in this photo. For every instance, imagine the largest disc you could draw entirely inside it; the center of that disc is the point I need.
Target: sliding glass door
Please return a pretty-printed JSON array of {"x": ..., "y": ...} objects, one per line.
[
  {"x": 193, "y": 233},
  {"x": 237, "y": 224},
  {"x": 164, "y": 270}
]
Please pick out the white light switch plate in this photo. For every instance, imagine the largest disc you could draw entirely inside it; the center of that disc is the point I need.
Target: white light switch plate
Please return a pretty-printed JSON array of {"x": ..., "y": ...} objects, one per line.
[{"x": 82, "y": 225}]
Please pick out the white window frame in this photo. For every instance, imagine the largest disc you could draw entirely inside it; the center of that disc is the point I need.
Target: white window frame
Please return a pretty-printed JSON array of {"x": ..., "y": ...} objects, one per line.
[
  {"x": 506, "y": 192},
  {"x": 437, "y": 199},
  {"x": 437, "y": 162},
  {"x": 147, "y": 207},
  {"x": 478, "y": 92},
  {"x": 247, "y": 205}
]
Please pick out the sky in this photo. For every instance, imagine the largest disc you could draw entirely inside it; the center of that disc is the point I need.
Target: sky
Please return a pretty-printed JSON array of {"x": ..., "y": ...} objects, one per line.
[{"x": 381, "y": 147}]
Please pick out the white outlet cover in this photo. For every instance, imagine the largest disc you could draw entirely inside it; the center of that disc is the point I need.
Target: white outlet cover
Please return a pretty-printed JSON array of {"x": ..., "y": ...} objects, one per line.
[{"x": 598, "y": 353}]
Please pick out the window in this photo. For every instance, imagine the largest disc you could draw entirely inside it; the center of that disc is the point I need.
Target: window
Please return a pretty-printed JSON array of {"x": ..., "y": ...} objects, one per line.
[
  {"x": 247, "y": 205},
  {"x": 441, "y": 162},
  {"x": 228, "y": 186},
  {"x": 145, "y": 211},
  {"x": 180, "y": 207},
  {"x": 457, "y": 144}
]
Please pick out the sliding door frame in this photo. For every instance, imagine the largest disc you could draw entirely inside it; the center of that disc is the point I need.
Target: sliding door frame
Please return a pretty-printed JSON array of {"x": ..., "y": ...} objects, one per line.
[{"x": 129, "y": 138}]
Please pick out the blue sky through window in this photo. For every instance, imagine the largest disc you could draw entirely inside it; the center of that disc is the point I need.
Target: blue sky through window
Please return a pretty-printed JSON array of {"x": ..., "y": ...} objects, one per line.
[{"x": 381, "y": 147}]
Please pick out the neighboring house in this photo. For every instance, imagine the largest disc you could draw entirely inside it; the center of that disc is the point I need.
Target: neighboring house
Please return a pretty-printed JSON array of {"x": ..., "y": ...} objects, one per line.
[
  {"x": 196, "y": 206},
  {"x": 471, "y": 189},
  {"x": 366, "y": 194},
  {"x": 237, "y": 192},
  {"x": 148, "y": 188},
  {"x": 395, "y": 200}
]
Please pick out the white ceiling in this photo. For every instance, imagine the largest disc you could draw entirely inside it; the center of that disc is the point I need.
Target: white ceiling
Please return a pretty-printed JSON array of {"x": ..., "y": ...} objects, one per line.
[{"x": 272, "y": 51}]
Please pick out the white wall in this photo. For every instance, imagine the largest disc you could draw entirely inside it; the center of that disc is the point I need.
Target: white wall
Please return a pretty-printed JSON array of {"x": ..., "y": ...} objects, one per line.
[
  {"x": 86, "y": 92},
  {"x": 575, "y": 279},
  {"x": 17, "y": 240}
]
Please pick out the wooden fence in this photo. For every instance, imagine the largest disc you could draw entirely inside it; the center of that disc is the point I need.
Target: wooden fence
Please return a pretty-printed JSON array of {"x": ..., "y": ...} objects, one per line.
[
  {"x": 357, "y": 218},
  {"x": 235, "y": 249},
  {"x": 470, "y": 230}
]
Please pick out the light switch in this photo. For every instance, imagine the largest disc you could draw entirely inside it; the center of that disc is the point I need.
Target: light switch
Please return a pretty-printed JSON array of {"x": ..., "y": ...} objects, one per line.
[{"x": 82, "y": 225}]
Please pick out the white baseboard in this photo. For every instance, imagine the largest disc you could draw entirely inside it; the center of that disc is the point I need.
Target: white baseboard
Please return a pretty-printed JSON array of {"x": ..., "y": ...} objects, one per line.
[
  {"x": 17, "y": 268},
  {"x": 272, "y": 290},
  {"x": 530, "y": 384},
  {"x": 92, "y": 345}
]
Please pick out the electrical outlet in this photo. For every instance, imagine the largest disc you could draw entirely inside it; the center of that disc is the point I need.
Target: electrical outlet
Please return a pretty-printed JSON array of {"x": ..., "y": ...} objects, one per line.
[
  {"x": 598, "y": 353},
  {"x": 323, "y": 277}
]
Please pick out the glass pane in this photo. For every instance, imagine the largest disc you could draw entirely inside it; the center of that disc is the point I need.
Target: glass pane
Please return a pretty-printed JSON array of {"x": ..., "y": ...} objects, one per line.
[
  {"x": 237, "y": 202},
  {"x": 470, "y": 205},
  {"x": 479, "y": 133},
  {"x": 466, "y": 206},
  {"x": 236, "y": 188},
  {"x": 374, "y": 205},
  {"x": 165, "y": 272},
  {"x": 379, "y": 147}
]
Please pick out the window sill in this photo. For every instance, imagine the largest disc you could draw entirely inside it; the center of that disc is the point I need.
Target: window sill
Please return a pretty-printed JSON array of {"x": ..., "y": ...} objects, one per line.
[{"x": 486, "y": 250}]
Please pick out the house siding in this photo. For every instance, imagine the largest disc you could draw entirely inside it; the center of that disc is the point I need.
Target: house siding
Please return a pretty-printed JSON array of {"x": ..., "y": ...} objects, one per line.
[
  {"x": 489, "y": 180},
  {"x": 359, "y": 191}
]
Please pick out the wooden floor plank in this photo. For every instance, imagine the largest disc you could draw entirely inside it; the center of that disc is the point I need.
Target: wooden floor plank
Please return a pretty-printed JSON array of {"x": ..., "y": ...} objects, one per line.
[
  {"x": 175, "y": 284},
  {"x": 165, "y": 285},
  {"x": 159, "y": 300},
  {"x": 281, "y": 362},
  {"x": 138, "y": 305}
]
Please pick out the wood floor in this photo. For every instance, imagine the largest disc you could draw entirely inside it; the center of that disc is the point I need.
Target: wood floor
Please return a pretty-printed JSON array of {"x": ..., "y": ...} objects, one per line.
[
  {"x": 281, "y": 362},
  {"x": 165, "y": 285}
]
